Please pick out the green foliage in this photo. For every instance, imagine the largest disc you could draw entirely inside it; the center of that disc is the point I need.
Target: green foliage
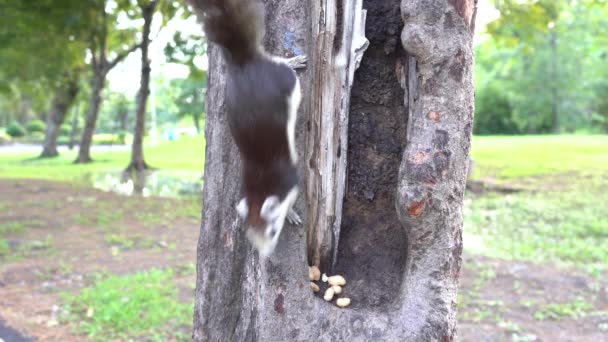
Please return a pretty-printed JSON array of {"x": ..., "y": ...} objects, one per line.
[
  {"x": 493, "y": 112},
  {"x": 117, "y": 113},
  {"x": 36, "y": 126},
  {"x": 106, "y": 139},
  {"x": 546, "y": 59},
  {"x": 15, "y": 130},
  {"x": 190, "y": 98},
  {"x": 189, "y": 93},
  {"x": 139, "y": 306},
  {"x": 42, "y": 44},
  {"x": 64, "y": 130},
  {"x": 185, "y": 51},
  {"x": 4, "y": 138}
]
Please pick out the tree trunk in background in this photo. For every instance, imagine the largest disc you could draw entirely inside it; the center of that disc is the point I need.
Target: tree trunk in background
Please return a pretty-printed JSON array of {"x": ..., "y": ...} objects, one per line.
[
  {"x": 24, "y": 114},
  {"x": 84, "y": 151},
  {"x": 123, "y": 121},
  {"x": 75, "y": 120},
  {"x": 197, "y": 123},
  {"x": 389, "y": 217},
  {"x": 554, "y": 82},
  {"x": 137, "y": 148},
  {"x": 63, "y": 100},
  {"x": 101, "y": 67}
]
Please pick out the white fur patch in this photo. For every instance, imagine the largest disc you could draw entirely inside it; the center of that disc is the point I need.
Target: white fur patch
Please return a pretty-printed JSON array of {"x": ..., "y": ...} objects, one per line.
[
  {"x": 266, "y": 243},
  {"x": 242, "y": 208},
  {"x": 293, "y": 103}
]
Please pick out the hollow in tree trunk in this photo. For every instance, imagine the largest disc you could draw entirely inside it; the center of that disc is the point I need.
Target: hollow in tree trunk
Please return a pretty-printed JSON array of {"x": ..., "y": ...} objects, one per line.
[
  {"x": 137, "y": 162},
  {"x": 384, "y": 178},
  {"x": 63, "y": 100}
]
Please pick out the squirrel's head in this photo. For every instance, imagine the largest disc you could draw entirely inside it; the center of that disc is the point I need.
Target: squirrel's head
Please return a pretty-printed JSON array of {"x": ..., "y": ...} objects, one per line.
[{"x": 264, "y": 221}]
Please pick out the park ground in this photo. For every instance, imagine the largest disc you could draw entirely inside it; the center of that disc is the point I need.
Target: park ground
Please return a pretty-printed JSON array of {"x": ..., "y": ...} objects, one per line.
[{"x": 79, "y": 264}]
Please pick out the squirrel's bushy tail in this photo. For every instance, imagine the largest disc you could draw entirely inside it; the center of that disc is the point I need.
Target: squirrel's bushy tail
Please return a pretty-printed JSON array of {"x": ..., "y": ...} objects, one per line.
[{"x": 236, "y": 25}]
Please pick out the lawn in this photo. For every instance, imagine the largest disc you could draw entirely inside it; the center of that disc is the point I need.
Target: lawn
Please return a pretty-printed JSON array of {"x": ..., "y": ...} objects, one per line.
[
  {"x": 508, "y": 157},
  {"x": 558, "y": 213},
  {"x": 535, "y": 255},
  {"x": 185, "y": 154},
  {"x": 96, "y": 265}
]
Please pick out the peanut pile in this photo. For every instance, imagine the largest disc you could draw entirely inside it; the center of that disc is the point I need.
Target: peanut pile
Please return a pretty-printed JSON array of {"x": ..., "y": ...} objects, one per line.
[{"x": 335, "y": 284}]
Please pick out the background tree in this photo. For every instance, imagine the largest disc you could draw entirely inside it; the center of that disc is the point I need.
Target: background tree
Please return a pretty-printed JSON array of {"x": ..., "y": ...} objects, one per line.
[
  {"x": 167, "y": 10},
  {"x": 540, "y": 62},
  {"x": 405, "y": 125},
  {"x": 62, "y": 101},
  {"x": 50, "y": 61},
  {"x": 137, "y": 162},
  {"x": 108, "y": 45},
  {"x": 190, "y": 99},
  {"x": 191, "y": 90}
]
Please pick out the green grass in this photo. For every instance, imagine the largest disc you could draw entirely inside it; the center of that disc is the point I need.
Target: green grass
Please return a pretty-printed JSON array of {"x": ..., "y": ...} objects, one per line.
[
  {"x": 562, "y": 214},
  {"x": 553, "y": 226},
  {"x": 185, "y": 154},
  {"x": 141, "y": 306},
  {"x": 12, "y": 227},
  {"x": 521, "y": 156},
  {"x": 4, "y": 248},
  {"x": 573, "y": 310}
]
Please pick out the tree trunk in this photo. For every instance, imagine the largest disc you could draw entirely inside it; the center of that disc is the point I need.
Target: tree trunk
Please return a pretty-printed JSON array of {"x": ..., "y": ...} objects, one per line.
[
  {"x": 24, "y": 114},
  {"x": 123, "y": 121},
  {"x": 99, "y": 80},
  {"x": 137, "y": 148},
  {"x": 197, "y": 123},
  {"x": 75, "y": 120},
  {"x": 101, "y": 67},
  {"x": 65, "y": 96},
  {"x": 555, "y": 124},
  {"x": 384, "y": 177}
]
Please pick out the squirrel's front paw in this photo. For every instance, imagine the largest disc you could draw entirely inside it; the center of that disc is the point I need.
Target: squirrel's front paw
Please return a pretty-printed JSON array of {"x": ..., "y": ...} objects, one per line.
[
  {"x": 293, "y": 217},
  {"x": 297, "y": 62}
]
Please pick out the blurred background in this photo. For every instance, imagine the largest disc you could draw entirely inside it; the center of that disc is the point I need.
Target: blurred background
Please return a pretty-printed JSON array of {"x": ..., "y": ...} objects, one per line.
[{"x": 76, "y": 246}]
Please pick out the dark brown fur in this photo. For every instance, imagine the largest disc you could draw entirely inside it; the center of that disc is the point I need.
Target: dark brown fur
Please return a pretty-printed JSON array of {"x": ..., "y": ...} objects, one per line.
[
  {"x": 257, "y": 91},
  {"x": 235, "y": 25},
  {"x": 256, "y": 99}
]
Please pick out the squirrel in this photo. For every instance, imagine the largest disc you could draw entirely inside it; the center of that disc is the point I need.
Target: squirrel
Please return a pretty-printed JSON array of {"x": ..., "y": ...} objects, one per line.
[{"x": 262, "y": 100}]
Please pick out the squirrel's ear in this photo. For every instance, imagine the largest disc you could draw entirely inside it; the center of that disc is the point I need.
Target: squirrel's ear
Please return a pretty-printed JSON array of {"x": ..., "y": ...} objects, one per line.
[
  {"x": 269, "y": 206},
  {"x": 242, "y": 209}
]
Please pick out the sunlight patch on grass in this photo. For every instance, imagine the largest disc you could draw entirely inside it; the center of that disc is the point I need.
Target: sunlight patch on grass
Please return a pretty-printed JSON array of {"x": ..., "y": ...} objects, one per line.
[
  {"x": 519, "y": 156},
  {"x": 185, "y": 154}
]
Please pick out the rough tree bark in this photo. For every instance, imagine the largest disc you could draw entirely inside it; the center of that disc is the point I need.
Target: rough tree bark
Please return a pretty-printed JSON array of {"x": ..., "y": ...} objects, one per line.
[
  {"x": 97, "y": 85},
  {"x": 137, "y": 162},
  {"x": 389, "y": 217},
  {"x": 63, "y": 100},
  {"x": 101, "y": 66}
]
